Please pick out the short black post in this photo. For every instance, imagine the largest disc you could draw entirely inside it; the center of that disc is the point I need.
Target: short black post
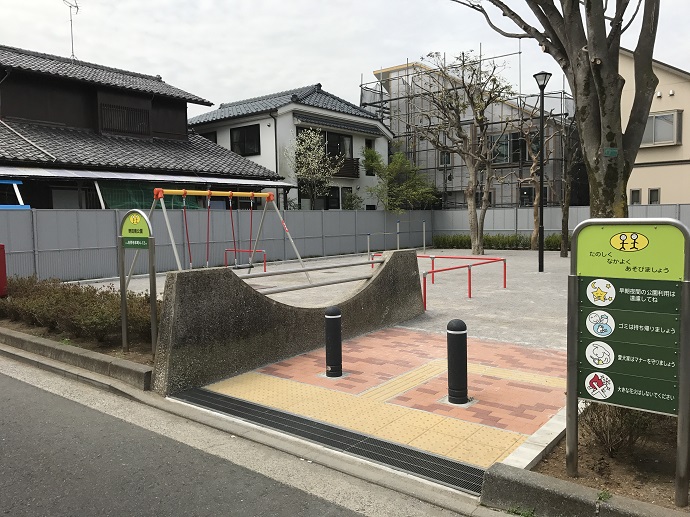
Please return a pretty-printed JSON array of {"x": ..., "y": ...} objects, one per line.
[
  {"x": 457, "y": 362},
  {"x": 334, "y": 343}
]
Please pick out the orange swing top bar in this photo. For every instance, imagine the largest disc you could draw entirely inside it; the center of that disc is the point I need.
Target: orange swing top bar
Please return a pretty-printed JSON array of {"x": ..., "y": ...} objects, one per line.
[{"x": 158, "y": 193}]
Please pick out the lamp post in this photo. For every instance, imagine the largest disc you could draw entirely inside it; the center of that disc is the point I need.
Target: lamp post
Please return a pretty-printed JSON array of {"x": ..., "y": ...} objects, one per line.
[{"x": 542, "y": 79}]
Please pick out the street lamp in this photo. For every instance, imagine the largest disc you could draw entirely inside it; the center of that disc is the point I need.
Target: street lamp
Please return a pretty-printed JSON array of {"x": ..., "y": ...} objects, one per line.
[{"x": 542, "y": 79}]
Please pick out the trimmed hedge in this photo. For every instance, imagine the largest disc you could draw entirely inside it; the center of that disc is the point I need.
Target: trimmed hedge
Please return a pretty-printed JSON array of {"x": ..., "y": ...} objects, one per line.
[
  {"x": 80, "y": 311},
  {"x": 495, "y": 242}
]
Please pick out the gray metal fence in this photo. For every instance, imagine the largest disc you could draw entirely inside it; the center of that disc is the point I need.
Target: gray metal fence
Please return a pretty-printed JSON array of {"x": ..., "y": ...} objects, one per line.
[{"x": 81, "y": 244}]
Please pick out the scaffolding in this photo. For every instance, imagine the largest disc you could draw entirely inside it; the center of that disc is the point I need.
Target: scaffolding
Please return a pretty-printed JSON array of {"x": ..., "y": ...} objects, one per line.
[{"x": 398, "y": 97}]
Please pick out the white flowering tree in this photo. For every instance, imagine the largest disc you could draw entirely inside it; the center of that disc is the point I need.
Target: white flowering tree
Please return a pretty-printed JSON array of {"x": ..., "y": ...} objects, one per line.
[{"x": 312, "y": 165}]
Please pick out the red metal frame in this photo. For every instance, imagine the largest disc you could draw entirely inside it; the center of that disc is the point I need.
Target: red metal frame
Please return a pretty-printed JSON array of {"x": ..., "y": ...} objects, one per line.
[
  {"x": 478, "y": 261},
  {"x": 227, "y": 250}
]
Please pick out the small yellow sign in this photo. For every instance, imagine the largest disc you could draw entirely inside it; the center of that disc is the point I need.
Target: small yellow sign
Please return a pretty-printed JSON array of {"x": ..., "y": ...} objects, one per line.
[{"x": 135, "y": 229}]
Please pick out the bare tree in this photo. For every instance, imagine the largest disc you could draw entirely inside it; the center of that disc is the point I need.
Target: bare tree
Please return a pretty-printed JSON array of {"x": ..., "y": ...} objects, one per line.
[
  {"x": 585, "y": 42},
  {"x": 528, "y": 127},
  {"x": 453, "y": 111}
]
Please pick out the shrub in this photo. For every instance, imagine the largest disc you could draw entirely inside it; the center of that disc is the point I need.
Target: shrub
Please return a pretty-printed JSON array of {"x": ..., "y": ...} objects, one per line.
[
  {"x": 495, "y": 242},
  {"x": 81, "y": 311},
  {"x": 616, "y": 429}
]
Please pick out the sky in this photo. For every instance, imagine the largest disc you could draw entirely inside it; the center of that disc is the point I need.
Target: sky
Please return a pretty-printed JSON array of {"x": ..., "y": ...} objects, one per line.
[{"x": 229, "y": 50}]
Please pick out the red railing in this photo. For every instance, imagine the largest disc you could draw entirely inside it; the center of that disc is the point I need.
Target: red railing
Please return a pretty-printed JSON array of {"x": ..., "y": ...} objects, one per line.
[{"x": 478, "y": 261}]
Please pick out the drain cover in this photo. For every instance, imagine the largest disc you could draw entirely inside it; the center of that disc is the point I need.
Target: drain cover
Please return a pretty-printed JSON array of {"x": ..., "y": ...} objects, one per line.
[{"x": 455, "y": 474}]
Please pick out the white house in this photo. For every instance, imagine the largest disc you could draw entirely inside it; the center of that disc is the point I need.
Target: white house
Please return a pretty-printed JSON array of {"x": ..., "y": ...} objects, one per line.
[{"x": 262, "y": 128}]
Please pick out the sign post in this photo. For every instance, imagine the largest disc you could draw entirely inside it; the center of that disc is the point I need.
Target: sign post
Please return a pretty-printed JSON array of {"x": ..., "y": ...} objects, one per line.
[
  {"x": 628, "y": 325},
  {"x": 135, "y": 232}
]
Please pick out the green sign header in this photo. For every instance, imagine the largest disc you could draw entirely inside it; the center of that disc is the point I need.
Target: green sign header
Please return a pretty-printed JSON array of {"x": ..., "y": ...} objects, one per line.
[
  {"x": 639, "y": 251},
  {"x": 135, "y": 230}
]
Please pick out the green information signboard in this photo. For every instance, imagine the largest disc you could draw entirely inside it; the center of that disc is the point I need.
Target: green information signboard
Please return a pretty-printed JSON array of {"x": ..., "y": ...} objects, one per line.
[
  {"x": 135, "y": 230},
  {"x": 629, "y": 325},
  {"x": 629, "y": 296}
]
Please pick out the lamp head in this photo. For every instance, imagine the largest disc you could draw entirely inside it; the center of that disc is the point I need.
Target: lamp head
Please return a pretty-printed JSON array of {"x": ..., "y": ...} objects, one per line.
[{"x": 542, "y": 79}]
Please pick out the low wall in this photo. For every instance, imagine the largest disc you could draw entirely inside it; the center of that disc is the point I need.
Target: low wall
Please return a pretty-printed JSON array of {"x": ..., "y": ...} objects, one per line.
[
  {"x": 522, "y": 492},
  {"x": 214, "y": 325}
]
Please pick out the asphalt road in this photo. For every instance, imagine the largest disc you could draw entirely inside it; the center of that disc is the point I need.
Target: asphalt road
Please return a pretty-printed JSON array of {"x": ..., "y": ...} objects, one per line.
[
  {"x": 61, "y": 458},
  {"x": 68, "y": 448}
]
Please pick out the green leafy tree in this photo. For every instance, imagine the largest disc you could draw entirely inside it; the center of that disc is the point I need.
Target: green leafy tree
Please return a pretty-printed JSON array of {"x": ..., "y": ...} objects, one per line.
[
  {"x": 312, "y": 165},
  {"x": 400, "y": 187},
  {"x": 353, "y": 201}
]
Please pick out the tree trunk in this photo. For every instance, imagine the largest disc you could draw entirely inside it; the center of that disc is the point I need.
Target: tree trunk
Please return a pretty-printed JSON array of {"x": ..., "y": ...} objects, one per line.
[
  {"x": 534, "y": 238},
  {"x": 565, "y": 210},
  {"x": 470, "y": 192}
]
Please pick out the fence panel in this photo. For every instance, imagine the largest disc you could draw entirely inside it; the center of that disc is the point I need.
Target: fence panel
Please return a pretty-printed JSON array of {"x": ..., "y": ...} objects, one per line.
[{"x": 74, "y": 244}]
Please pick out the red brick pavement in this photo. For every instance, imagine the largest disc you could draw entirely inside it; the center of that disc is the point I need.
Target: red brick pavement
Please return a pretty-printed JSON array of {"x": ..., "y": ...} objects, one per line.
[{"x": 380, "y": 356}]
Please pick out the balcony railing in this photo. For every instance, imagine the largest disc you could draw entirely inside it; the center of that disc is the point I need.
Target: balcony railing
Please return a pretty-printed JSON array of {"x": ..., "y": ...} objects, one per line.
[{"x": 350, "y": 169}]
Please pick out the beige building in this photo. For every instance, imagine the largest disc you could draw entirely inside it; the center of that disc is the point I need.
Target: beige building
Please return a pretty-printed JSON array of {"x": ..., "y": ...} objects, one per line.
[{"x": 662, "y": 169}]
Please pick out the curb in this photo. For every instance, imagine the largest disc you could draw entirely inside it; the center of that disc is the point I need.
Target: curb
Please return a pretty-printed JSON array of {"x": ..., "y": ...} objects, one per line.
[
  {"x": 516, "y": 490},
  {"x": 134, "y": 374}
]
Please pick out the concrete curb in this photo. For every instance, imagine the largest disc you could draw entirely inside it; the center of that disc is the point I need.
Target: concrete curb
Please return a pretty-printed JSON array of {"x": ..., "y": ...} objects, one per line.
[
  {"x": 516, "y": 490},
  {"x": 134, "y": 374}
]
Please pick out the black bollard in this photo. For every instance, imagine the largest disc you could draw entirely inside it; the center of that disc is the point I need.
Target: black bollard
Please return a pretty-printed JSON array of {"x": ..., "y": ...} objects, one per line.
[
  {"x": 334, "y": 343},
  {"x": 457, "y": 362}
]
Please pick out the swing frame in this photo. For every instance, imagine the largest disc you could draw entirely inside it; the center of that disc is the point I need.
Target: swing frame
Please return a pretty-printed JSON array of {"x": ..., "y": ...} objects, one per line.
[{"x": 159, "y": 194}]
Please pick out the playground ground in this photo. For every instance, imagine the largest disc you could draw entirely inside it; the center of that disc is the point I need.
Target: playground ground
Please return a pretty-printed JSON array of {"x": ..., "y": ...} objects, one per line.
[{"x": 395, "y": 381}]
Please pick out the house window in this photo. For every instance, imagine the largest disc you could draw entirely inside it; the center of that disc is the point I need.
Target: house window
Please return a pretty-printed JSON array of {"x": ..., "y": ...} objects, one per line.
[
  {"x": 125, "y": 120},
  {"x": 338, "y": 144},
  {"x": 245, "y": 140},
  {"x": 370, "y": 207},
  {"x": 635, "y": 198},
  {"x": 508, "y": 148},
  {"x": 444, "y": 159},
  {"x": 654, "y": 196},
  {"x": 211, "y": 135},
  {"x": 662, "y": 129},
  {"x": 333, "y": 201}
]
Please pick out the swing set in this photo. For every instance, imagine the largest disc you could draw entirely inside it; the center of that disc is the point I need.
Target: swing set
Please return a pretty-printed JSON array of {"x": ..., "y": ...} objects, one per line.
[{"x": 159, "y": 194}]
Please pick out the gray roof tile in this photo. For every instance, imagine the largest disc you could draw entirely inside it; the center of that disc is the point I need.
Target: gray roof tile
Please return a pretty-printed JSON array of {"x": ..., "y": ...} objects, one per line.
[
  {"x": 81, "y": 148},
  {"x": 307, "y": 95},
  {"x": 26, "y": 60}
]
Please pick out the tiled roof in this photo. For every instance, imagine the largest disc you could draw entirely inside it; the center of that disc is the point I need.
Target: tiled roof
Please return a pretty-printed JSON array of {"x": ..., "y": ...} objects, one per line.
[
  {"x": 307, "y": 95},
  {"x": 26, "y": 60},
  {"x": 81, "y": 148},
  {"x": 312, "y": 121}
]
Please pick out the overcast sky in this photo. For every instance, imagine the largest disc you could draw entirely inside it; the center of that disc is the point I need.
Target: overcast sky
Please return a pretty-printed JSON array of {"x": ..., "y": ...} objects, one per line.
[{"x": 227, "y": 50}]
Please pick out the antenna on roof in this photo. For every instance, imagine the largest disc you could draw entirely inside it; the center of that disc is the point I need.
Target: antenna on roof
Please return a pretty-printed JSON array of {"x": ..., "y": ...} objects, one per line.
[{"x": 72, "y": 4}]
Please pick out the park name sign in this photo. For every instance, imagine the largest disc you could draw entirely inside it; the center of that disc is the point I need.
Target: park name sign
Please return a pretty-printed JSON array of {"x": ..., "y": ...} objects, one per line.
[
  {"x": 135, "y": 232},
  {"x": 627, "y": 328}
]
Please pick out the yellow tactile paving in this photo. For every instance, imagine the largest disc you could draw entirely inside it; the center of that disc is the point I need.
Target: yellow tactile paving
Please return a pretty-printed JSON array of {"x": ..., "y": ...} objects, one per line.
[
  {"x": 407, "y": 381},
  {"x": 465, "y": 441},
  {"x": 515, "y": 375}
]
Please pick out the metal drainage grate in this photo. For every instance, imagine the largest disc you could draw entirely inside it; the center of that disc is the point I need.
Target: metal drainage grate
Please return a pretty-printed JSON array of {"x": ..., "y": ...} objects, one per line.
[{"x": 451, "y": 473}]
